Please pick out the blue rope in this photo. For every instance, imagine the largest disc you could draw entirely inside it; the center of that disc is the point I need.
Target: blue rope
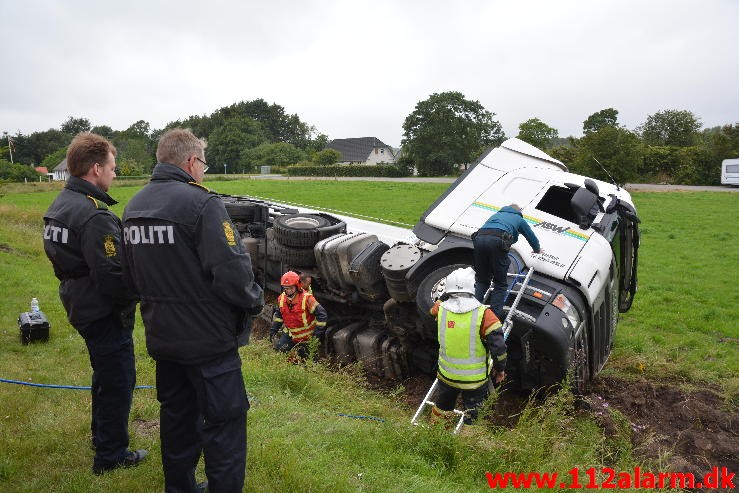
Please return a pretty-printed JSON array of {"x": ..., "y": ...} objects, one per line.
[
  {"x": 360, "y": 417},
  {"x": 69, "y": 387}
]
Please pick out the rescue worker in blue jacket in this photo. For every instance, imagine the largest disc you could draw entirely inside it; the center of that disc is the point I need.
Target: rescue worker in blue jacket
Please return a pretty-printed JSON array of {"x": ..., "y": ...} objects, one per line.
[
  {"x": 82, "y": 238},
  {"x": 468, "y": 332},
  {"x": 196, "y": 286},
  {"x": 491, "y": 244}
]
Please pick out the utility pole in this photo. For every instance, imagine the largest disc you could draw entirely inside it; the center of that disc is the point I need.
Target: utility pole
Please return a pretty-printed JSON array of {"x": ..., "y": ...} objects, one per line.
[
  {"x": 10, "y": 149},
  {"x": 225, "y": 168}
]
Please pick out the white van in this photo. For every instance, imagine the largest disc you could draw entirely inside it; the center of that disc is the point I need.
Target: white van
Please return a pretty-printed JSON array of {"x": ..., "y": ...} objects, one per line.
[{"x": 730, "y": 172}]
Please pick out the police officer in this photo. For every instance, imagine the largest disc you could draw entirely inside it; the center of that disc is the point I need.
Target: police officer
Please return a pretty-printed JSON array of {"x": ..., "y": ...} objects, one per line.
[
  {"x": 491, "y": 244},
  {"x": 299, "y": 314},
  {"x": 468, "y": 332},
  {"x": 196, "y": 286},
  {"x": 82, "y": 238}
]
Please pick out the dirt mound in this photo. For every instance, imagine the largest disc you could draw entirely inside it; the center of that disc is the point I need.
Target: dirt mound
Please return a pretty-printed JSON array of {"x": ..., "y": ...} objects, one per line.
[{"x": 696, "y": 431}]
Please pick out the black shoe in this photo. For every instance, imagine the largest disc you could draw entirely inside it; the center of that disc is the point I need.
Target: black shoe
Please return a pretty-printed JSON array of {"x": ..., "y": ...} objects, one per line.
[
  {"x": 202, "y": 487},
  {"x": 132, "y": 458}
]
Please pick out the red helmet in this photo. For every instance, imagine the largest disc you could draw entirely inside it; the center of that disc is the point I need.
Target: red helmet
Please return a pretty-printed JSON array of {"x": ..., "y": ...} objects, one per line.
[{"x": 290, "y": 278}]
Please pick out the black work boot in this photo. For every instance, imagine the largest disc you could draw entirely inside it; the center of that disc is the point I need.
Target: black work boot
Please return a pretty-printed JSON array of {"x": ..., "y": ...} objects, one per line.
[{"x": 132, "y": 458}]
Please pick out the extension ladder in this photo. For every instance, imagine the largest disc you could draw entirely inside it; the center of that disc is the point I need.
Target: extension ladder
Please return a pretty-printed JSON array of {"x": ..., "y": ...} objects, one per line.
[{"x": 507, "y": 326}]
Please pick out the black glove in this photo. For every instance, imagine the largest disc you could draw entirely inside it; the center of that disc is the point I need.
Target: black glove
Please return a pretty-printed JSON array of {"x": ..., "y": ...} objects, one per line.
[
  {"x": 255, "y": 310},
  {"x": 272, "y": 334}
]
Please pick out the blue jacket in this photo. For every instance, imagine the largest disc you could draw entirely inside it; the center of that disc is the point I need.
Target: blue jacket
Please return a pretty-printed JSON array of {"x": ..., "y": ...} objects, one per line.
[{"x": 510, "y": 220}]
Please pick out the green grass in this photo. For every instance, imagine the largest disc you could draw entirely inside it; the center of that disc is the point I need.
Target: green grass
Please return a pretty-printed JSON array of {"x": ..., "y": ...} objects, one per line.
[
  {"x": 683, "y": 325},
  {"x": 681, "y": 328}
]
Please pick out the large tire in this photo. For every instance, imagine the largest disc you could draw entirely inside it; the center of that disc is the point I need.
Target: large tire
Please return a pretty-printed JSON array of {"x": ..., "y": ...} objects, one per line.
[
  {"x": 290, "y": 256},
  {"x": 299, "y": 230},
  {"x": 426, "y": 291},
  {"x": 296, "y": 257}
]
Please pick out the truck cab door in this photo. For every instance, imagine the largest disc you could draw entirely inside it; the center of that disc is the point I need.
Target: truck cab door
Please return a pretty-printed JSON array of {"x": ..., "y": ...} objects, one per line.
[{"x": 628, "y": 255}]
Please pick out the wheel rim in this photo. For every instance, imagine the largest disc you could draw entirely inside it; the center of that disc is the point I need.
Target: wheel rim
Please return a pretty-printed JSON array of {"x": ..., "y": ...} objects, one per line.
[{"x": 302, "y": 222}]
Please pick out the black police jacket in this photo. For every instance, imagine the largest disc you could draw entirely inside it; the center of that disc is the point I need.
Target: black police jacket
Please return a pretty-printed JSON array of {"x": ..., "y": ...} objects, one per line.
[
  {"x": 82, "y": 238},
  {"x": 189, "y": 268}
]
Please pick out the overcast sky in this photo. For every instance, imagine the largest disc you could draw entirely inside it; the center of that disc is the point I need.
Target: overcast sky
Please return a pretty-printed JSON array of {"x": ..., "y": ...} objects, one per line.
[{"x": 358, "y": 68}]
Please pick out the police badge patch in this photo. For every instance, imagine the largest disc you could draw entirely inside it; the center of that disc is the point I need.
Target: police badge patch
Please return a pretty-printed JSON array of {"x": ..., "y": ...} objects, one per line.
[
  {"x": 109, "y": 245},
  {"x": 229, "y": 233}
]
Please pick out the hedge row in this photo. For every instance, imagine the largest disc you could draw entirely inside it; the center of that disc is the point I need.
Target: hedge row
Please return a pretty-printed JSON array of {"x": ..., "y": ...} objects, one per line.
[
  {"x": 685, "y": 165},
  {"x": 383, "y": 170}
]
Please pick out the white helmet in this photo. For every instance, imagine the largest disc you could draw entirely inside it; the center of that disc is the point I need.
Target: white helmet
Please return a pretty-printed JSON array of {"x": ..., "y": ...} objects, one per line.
[{"x": 461, "y": 281}]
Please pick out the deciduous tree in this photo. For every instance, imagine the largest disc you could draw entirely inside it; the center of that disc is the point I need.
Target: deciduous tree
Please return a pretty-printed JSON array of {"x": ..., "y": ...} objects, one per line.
[
  {"x": 600, "y": 119},
  {"x": 73, "y": 126},
  {"x": 617, "y": 149},
  {"x": 277, "y": 154},
  {"x": 447, "y": 130},
  {"x": 671, "y": 128},
  {"x": 227, "y": 142},
  {"x": 326, "y": 157},
  {"x": 537, "y": 133}
]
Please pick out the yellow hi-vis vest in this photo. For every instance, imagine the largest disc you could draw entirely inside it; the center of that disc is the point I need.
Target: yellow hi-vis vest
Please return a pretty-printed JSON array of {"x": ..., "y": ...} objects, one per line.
[{"x": 462, "y": 355}]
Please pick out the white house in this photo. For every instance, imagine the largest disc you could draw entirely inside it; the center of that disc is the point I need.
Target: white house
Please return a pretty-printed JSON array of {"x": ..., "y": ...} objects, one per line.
[
  {"x": 60, "y": 171},
  {"x": 363, "y": 150}
]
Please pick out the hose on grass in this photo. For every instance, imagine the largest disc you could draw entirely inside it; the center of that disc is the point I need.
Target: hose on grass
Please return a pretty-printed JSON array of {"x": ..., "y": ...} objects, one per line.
[{"x": 68, "y": 387}]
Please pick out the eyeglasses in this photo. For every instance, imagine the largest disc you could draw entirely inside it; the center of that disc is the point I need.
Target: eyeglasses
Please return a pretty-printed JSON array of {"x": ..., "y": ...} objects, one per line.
[{"x": 205, "y": 165}]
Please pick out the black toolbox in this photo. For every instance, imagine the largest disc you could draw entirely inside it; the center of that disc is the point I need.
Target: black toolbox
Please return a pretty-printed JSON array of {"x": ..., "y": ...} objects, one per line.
[{"x": 33, "y": 326}]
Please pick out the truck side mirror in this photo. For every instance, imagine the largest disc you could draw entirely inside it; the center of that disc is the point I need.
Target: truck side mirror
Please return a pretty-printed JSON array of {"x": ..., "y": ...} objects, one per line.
[{"x": 585, "y": 206}]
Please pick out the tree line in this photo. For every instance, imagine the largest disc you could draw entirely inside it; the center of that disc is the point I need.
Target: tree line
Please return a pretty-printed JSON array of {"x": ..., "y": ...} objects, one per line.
[
  {"x": 240, "y": 138},
  {"x": 447, "y": 130},
  {"x": 445, "y": 133}
]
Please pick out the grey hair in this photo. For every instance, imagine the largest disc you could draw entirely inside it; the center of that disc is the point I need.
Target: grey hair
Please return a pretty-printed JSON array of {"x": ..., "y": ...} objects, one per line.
[
  {"x": 516, "y": 206},
  {"x": 177, "y": 145}
]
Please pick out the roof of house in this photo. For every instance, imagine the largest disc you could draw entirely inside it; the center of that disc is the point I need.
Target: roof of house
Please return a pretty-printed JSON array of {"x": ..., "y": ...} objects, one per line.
[
  {"x": 356, "y": 149},
  {"x": 61, "y": 166}
]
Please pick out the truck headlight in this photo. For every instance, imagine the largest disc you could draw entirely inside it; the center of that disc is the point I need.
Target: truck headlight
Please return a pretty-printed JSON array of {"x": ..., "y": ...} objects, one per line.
[{"x": 561, "y": 302}]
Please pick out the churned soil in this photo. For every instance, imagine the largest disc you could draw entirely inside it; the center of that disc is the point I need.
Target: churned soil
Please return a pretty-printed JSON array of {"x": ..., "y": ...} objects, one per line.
[
  {"x": 694, "y": 430},
  {"x": 681, "y": 431}
]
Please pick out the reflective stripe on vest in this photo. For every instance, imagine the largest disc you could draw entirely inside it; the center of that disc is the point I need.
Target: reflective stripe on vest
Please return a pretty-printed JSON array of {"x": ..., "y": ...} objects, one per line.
[
  {"x": 462, "y": 354},
  {"x": 299, "y": 323}
]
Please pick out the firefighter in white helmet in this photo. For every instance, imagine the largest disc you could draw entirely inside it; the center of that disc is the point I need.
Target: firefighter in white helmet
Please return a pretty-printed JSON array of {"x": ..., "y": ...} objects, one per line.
[{"x": 468, "y": 332}]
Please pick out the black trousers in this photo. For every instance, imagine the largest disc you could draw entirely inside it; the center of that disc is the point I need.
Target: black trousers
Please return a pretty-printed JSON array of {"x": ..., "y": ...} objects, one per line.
[
  {"x": 491, "y": 262},
  {"x": 446, "y": 398},
  {"x": 203, "y": 410},
  {"x": 110, "y": 347}
]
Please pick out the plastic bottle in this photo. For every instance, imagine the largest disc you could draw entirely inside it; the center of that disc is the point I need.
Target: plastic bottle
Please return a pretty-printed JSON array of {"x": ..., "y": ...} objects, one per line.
[{"x": 34, "y": 307}]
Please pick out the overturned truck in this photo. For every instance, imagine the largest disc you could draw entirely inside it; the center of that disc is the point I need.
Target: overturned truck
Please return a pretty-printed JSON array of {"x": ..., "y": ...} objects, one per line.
[{"x": 378, "y": 281}]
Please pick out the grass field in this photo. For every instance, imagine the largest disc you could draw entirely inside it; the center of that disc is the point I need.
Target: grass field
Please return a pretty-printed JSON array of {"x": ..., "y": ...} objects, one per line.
[{"x": 682, "y": 329}]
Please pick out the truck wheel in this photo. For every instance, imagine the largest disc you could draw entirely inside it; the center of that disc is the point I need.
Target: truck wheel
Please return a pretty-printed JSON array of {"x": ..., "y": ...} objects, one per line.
[
  {"x": 428, "y": 291},
  {"x": 579, "y": 371},
  {"x": 299, "y": 230},
  {"x": 295, "y": 257}
]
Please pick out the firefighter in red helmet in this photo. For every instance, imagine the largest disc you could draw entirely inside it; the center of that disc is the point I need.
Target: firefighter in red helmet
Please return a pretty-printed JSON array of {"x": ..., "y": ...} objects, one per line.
[{"x": 299, "y": 314}]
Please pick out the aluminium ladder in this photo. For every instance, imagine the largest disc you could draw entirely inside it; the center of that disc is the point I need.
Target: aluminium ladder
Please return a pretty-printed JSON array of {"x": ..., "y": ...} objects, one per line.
[{"x": 507, "y": 326}]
